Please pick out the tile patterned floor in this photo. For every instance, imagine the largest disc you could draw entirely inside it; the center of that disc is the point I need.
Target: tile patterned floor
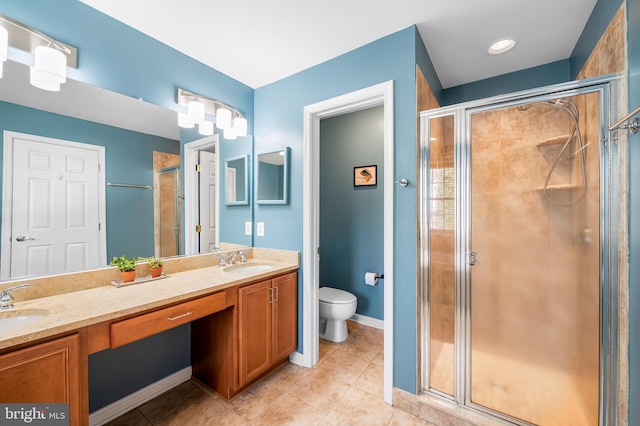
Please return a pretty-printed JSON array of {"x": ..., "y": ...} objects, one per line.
[{"x": 345, "y": 388}]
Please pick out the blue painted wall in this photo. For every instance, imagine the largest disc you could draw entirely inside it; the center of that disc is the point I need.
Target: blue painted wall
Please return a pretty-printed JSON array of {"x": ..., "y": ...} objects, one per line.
[
  {"x": 128, "y": 158},
  {"x": 352, "y": 218},
  {"x": 543, "y": 75},
  {"x": 426, "y": 66},
  {"x": 279, "y": 123},
  {"x": 148, "y": 360}
]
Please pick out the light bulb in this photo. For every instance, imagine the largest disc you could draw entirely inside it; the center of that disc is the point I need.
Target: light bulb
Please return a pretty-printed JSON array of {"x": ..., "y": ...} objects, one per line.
[
  {"x": 229, "y": 134},
  {"x": 205, "y": 128},
  {"x": 50, "y": 69},
  {"x": 240, "y": 126},
  {"x": 223, "y": 118},
  {"x": 185, "y": 121},
  {"x": 4, "y": 46},
  {"x": 195, "y": 110}
]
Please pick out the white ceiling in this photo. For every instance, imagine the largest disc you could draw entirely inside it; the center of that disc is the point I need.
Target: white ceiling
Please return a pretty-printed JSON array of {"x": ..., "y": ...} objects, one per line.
[{"x": 258, "y": 42}]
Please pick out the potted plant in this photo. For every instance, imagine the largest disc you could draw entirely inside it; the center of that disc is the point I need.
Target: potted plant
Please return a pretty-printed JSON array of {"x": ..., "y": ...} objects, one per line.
[
  {"x": 155, "y": 265},
  {"x": 127, "y": 267}
]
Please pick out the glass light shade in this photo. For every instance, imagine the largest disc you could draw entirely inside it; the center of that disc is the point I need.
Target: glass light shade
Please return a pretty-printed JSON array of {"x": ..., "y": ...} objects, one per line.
[
  {"x": 229, "y": 134},
  {"x": 185, "y": 121},
  {"x": 50, "y": 69},
  {"x": 206, "y": 128},
  {"x": 4, "y": 46},
  {"x": 240, "y": 126},
  {"x": 223, "y": 118},
  {"x": 195, "y": 110}
]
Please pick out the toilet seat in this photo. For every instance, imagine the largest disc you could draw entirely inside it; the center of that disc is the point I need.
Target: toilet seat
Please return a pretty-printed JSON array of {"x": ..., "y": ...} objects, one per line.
[{"x": 334, "y": 295}]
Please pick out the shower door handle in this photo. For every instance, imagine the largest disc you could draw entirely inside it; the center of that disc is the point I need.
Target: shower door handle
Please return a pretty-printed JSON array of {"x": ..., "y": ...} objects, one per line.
[{"x": 472, "y": 258}]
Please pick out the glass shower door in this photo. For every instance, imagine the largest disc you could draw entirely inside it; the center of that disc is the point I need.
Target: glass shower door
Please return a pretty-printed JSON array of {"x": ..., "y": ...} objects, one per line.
[
  {"x": 170, "y": 208},
  {"x": 533, "y": 351},
  {"x": 441, "y": 248}
]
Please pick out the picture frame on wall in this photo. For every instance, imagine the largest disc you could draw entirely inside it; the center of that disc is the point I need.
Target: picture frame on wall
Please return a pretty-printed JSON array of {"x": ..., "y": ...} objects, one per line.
[{"x": 365, "y": 176}]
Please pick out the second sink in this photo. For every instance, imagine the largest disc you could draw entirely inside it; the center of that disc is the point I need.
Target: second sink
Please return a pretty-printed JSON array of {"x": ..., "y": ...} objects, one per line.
[
  {"x": 248, "y": 267},
  {"x": 15, "y": 319}
]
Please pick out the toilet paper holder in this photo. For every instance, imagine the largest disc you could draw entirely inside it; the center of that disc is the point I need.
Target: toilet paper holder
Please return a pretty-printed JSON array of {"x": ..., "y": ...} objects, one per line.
[{"x": 371, "y": 278}]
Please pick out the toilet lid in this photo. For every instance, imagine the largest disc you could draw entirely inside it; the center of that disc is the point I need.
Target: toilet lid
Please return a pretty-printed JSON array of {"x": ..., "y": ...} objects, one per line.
[{"x": 334, "y": 295}]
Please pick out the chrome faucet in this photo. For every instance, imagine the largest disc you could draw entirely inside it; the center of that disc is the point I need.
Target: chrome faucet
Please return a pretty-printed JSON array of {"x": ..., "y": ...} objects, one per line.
[
  {"x": 243, "y": 257},
  {"x": 223, "y": 259},
  {"x": 6, "y": 301},
  {"x": 215, "y": 249}
]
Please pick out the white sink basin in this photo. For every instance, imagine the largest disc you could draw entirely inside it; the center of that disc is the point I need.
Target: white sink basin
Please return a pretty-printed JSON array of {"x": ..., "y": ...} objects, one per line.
[
  {"x": 10, "y": 320},
  {"x": 247, "y": 268}
]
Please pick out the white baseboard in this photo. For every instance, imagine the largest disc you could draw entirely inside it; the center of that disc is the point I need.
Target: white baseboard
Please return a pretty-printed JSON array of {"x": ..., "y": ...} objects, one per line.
[
  {"x": 371, "y": 322},
  {"x": 138, "y": 398},
  {"x": 298, "y": 359}
]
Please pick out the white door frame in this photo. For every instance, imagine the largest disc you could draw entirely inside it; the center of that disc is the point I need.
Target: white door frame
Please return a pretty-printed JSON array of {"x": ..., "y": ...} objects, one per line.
[
  {"x": 191, "y": 191},
  {"x": 380, "y": 94},
  {"x": 7, "y": 193}
]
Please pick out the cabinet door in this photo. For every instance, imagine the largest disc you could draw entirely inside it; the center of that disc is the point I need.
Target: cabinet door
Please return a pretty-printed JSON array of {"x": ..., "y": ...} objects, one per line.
[
  {"x": 254, "y": 305},
  {"x": 43, "y": 373},
  {"x": 284, "y": 315}
]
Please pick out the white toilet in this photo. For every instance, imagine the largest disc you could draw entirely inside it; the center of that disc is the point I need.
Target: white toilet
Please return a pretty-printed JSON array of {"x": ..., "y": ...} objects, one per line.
[{"x": 336, "y": 307}]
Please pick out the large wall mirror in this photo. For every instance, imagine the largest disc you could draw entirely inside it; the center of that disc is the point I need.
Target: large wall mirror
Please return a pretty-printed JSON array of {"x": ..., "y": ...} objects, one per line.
[
  {"x": 272, "y": 177},
  {"x": 140, "y": 176}
]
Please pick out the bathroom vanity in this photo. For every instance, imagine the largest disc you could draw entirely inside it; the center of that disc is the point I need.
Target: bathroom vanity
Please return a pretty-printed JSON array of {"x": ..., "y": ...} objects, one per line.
[{"x": 243, "y": 324}]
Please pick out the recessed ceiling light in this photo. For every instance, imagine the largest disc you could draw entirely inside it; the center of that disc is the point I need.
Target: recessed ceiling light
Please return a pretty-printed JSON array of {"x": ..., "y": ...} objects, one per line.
[{"x": 501, "y": 46}]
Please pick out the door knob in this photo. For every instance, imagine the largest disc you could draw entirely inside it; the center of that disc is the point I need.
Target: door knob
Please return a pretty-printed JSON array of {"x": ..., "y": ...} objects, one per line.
[{"x": 21, "y": 238}]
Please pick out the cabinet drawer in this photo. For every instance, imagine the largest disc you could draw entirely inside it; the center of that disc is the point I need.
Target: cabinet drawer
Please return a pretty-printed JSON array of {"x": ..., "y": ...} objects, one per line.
[{"x": 145, "y": 325}]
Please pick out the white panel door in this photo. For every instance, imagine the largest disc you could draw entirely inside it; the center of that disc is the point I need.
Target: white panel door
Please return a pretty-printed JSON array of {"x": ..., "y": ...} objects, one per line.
[
  {"x": 208, "y": 201},
  {"x": 55, "y": 212}
]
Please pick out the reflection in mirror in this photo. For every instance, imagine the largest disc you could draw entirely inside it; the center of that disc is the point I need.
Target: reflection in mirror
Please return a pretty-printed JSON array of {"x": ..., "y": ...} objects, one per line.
[
  {"x": 272, "y": 177},
  {"x": 169, "y": 189},
  {"x": 236, "y": 181},
  {"x": 131, "y": 132}
]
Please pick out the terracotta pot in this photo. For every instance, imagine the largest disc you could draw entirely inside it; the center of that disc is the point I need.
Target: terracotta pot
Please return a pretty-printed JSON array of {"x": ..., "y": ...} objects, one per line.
[
  {"x": 155, "y": 272},
  {"x": 128, "y": 276}
]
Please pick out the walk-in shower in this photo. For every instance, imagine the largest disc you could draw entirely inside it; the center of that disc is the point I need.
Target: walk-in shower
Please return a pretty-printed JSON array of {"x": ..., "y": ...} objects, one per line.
[{"x": 514, "y": 284}]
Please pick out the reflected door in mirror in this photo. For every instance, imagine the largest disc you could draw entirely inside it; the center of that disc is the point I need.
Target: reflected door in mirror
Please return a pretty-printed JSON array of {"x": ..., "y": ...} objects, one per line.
[{"x": 55, "y": 210}]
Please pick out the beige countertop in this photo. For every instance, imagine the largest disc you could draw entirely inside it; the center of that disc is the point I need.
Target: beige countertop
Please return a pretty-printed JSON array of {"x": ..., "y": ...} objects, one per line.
[{"x": 77, "y": 309}]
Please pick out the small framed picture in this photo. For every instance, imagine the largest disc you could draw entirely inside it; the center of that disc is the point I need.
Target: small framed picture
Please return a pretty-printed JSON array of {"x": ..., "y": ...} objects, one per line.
[{"x": 365, "y": 176}]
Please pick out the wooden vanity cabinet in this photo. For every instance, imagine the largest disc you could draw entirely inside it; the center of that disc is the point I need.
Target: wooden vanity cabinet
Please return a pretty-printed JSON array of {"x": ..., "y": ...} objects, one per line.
[
  {"x": 44, "y": 373},
  {"x": 267, "y": 325},
  {"x": 232, "y": 348}
]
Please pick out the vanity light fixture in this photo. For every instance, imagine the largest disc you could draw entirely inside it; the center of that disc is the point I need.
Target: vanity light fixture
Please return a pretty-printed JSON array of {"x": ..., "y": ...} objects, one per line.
[
  {"x": 205, "y": 128},
  {"x": 51, "y": 56},
  {"x": 223, "y": 118},
  {"x": 501, "y": 46},
  {"x": 50, "y": 69},
  {"x": 185, "y": 121},
  {"x": 229, "y": 134},
  {"x": 4, "y": 47},
  {"x": 230, "y": 120},
  {"x": 195, "y": 111}
]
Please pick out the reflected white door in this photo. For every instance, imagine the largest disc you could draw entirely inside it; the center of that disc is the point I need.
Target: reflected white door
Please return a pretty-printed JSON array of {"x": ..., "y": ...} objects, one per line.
[
  {"x": 208, "y": 200},
  {"x": 56, "y": 218}
]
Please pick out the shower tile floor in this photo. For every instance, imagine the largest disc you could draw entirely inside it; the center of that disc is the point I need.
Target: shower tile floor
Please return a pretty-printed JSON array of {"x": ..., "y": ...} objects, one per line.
[
  {"x": 542, "y": 396},
  {"x": 344, "y": 388}
]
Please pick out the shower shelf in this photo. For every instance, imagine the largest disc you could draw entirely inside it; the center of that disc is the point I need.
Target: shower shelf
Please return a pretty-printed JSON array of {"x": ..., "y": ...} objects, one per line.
[
  {"x": 559, "y": 140},
  {"x": 566, "y": 187}
]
